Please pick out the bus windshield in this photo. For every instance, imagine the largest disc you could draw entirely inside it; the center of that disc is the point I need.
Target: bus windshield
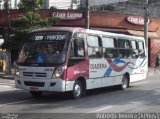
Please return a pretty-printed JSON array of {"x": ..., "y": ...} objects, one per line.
[{"x": 44, "y": 48}]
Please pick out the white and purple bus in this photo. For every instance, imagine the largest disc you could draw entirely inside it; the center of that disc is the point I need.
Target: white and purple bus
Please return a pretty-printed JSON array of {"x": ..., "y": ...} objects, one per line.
[{"x": 62, "y": 59}]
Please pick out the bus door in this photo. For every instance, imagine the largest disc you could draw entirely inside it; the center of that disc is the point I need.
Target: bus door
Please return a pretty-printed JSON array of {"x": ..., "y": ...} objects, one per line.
[
  {"x": 110, "y": 54},
  {"x": 77, "y": 62},
  {"x": 97, "y": 64}
]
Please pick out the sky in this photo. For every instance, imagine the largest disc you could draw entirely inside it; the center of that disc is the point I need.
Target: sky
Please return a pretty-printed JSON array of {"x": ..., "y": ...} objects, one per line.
[
  {"x": 92, "y": 2},
  {"x": 64, "y": 4},
  {"x": 101, "y": 2}
]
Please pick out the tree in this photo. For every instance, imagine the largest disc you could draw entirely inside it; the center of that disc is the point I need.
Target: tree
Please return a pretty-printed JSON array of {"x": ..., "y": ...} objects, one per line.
[
  {"x": 20, "y": 26},
  {"x": 30, "y": 5}
]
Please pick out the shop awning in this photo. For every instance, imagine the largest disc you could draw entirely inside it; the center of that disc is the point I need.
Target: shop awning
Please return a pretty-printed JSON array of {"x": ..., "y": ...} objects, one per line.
[{"x": 141, "y": 33}]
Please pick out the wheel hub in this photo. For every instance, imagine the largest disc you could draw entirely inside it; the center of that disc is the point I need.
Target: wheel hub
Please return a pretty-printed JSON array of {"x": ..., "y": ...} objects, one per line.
[{"x": 77, "y": 90}]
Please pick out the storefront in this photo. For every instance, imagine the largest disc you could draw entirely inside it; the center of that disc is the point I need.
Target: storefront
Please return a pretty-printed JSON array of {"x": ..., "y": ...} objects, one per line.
[{"x": 126, "y": 24}]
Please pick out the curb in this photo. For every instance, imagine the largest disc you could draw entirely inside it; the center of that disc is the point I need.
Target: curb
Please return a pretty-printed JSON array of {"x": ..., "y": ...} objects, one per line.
[
  {"x": 150, "y": 74},
  {"x": 7, "y": 77},
  {"x": 153, "y": 72}
]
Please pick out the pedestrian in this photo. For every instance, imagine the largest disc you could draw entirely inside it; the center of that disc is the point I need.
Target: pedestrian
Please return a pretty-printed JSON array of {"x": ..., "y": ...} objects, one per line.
[{"x": 157, "y": 61}]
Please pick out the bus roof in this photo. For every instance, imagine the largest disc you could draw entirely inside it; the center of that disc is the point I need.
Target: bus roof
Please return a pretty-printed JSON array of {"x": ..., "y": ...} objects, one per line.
[
  {"x": 70, "y": 29},
  {"x": 114, "y": 34},
  {"x": 83, "y": 30}
]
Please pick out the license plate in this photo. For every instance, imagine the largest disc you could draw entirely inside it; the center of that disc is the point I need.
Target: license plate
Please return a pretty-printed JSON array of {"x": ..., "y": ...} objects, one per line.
[{"x": 34, "y": 88}]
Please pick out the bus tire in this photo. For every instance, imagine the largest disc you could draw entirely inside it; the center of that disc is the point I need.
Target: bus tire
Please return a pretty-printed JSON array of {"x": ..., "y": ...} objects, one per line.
[
  {"x": 36, "y": 94},
  {"x": 124, "y": 83},
  {"x": 77, "y": 90}
]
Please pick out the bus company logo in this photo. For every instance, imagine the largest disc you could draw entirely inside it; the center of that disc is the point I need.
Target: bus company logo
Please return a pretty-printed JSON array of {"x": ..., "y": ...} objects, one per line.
[{"x": 98, "y": 66}]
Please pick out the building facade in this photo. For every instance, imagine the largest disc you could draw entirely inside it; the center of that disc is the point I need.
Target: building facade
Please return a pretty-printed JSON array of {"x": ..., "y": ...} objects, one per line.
[
  {"x": 48, "y": 4},
  {"x": 106, "y": 21},
  {"x": 61, "y": 4}
]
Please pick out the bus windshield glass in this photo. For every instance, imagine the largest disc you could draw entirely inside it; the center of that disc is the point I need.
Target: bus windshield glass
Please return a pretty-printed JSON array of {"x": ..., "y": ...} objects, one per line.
[{"x": 45, "y": 48}]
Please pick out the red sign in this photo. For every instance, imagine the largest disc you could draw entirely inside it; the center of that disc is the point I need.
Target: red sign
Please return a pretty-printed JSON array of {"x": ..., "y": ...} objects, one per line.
[
  {"x": 68, "y": 15},
  {"x": 138, "y": 20}
]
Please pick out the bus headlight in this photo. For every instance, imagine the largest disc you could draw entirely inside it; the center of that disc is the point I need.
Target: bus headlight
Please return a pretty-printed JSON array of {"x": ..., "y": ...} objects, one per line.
[{"x": 58, "y": 72}]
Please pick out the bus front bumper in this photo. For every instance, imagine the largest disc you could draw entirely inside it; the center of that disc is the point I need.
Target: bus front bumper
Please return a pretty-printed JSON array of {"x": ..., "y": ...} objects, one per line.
[{"x": 55, "y": 85}]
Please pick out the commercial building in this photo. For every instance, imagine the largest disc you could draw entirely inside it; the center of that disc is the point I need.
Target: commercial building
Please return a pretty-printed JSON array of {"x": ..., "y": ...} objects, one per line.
[
  {"x": 121, "y": 23},
  {"x": 106, "y": 21}
]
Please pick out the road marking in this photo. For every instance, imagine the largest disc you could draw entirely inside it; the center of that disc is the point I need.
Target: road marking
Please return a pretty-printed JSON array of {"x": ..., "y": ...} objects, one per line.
[
  {"x": 15, "y": 102},
  {"x": 93, "y": 111},
  {"x": 156, "y": 92},
  {"x": 139, "y": 83}
]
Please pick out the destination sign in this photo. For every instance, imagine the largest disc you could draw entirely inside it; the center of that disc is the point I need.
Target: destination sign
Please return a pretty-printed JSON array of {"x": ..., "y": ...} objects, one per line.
[{"x": 49, "y": 36}]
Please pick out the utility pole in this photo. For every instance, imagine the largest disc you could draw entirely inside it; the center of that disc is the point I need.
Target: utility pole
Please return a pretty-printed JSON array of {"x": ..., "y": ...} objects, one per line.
[
  {"x": 8, "y": 53},
  {"x": 7, "y": 15},
  {"x": 87, "y": 15},
  {"x": 0, "y": 4},
  {"x": 146, "y": 19}
]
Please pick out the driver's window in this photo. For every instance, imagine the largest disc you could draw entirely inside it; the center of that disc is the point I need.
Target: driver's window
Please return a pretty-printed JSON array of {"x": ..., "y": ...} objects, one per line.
[{"x": 77, "y": 48}]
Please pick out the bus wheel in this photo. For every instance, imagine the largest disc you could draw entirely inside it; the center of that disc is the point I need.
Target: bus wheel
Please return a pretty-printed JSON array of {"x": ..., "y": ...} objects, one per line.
[
  {"x": 125, "y": 82},
  {"x": 77, "y": 90},
  {"x": 36, "y": 93}
]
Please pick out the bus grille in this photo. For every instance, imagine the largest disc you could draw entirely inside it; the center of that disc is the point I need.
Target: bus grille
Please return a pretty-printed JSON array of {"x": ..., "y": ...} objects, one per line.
[
  {"x": 34, "y": 74},
  {"x": 38, "y": 84}
]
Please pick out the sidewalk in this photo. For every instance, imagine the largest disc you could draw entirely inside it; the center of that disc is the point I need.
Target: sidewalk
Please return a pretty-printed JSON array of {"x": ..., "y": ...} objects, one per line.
[
  {"x": 151, "y": 72},
  {"x": 3, "y": 75}
]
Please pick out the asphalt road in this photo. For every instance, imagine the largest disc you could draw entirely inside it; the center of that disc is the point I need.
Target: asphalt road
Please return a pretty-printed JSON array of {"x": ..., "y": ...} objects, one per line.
[{"x": 142, "y": 97}]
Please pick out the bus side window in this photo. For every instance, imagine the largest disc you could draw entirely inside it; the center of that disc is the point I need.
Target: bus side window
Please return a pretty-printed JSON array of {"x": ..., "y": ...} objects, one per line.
[
  {"x": 137, "y": 49},
  {"x": 124, "y": 48},
  {"x": 109, "y": 47},
  {"x": 94, "y": 47},
  {"x": 134, "y": 49},
  {"x": 141, "y": 51},
  {"x": 110, "y": 53}
]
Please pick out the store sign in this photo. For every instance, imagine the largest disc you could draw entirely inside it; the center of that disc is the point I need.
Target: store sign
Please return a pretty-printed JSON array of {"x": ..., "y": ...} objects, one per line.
[
  {"x": 138, "y": 20},
  {"x": 68, "y": 15}
]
